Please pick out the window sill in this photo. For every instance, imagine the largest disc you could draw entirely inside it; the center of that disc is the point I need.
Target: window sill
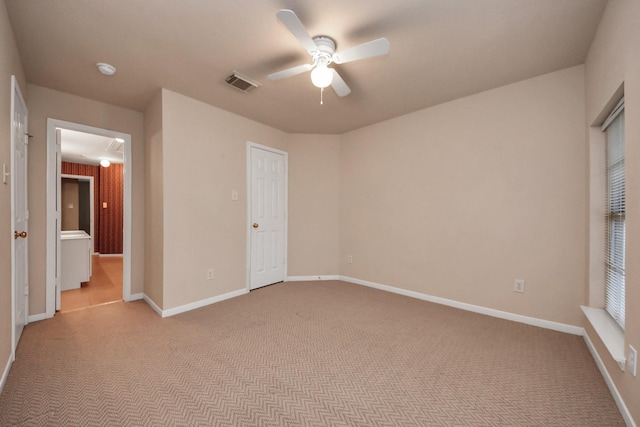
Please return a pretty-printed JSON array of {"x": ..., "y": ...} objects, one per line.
[{"x": 609, "y": 332}]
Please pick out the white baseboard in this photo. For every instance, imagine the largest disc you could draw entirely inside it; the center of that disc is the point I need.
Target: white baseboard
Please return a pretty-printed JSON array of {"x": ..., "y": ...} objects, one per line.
[
  {"x": 311, "y": 278},
  {"x": 37, "y": 317},
  {"x": 152, "y": 304},
  {"x": 622, "y": 407},
  {"x": 109, "y": 255},
  {"x": 5, "y": 374},
  {"x": 135, "y": 297},
  {"x": 547, "y": 324},
  {"x": 193, "y": 305}
]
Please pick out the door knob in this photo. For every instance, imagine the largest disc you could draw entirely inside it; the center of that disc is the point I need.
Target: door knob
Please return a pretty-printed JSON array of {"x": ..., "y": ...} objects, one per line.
[
  {"x": 16, "y": 234},
  {"x": 255, "y": 225}
]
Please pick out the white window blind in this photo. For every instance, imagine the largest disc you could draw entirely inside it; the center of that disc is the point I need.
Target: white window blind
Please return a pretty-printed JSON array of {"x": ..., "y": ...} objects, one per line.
[{"x": 615, "y": 245}]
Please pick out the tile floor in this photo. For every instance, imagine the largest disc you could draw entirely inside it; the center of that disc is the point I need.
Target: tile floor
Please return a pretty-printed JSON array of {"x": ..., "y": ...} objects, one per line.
[{"x": 105, "y": 285}]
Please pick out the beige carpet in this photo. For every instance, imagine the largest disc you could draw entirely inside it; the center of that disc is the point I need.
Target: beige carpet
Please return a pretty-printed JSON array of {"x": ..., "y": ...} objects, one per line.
[{"x": 302, "y": 354}]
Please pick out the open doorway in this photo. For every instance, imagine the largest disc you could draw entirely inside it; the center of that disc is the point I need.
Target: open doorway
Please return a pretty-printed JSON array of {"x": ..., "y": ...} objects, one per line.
[
  {"x": 88, "y": 242},
  {"x": 90, "y": 276}
]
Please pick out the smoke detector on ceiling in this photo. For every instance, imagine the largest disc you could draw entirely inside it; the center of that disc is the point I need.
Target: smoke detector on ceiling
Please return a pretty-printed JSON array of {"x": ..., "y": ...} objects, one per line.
[
  {"x": 106, "y": 69},
  {"x": 242, "y": 83}
]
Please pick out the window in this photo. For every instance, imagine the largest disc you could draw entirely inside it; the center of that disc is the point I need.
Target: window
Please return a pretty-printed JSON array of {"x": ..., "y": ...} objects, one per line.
[{"x": 615, "y": 215}]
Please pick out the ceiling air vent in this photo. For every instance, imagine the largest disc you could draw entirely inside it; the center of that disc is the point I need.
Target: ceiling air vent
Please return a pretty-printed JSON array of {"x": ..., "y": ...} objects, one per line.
[
  {"x": 116, "y": 146},
  {"x": 241, "y": 82}
]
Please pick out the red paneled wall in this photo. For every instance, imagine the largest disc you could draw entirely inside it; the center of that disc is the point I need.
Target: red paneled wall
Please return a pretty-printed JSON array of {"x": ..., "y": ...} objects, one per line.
[
  {"x": 108, "y": 188},
  {"x": 111, "y": 217}
]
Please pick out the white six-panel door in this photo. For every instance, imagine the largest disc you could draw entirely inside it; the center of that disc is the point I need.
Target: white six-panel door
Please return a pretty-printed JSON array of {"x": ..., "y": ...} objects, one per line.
[
  {"x": 19, "y": 212},
  {"x": 267, "y": 220}
]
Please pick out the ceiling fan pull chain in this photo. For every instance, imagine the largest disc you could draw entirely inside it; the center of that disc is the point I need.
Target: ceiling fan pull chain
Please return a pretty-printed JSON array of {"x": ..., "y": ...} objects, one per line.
[{"x": 321, "y": 93}]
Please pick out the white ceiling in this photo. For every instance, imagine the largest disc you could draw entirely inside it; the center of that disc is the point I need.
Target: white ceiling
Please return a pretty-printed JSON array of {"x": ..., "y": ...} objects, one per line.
[
  {"x": 89, "y": 149},
  {"x": 440, "y": 50}
]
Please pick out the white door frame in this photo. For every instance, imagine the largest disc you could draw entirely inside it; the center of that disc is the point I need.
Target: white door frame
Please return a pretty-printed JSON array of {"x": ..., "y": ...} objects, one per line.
[
  {"x": 52, "y": 179},
  {"x": 251, "y": 145},
  {"x": 16, "y": 97}
]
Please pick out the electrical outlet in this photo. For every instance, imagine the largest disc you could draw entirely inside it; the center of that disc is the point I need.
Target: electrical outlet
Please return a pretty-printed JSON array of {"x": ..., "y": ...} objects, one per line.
[
  {"x": 210, "y": 274},
  {"x": 519, "y": 285},
  {"x": 349, "y": 259},
  {"x": 632, "y": 361}
]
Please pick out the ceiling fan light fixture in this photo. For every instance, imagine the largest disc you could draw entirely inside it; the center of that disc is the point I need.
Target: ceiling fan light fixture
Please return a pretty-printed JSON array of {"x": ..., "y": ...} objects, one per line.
[{"x": 321, "y": 76}]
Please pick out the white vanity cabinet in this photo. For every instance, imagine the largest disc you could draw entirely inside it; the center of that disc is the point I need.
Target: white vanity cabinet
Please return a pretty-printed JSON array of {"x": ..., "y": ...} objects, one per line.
[{"x": 75, "y": 258}]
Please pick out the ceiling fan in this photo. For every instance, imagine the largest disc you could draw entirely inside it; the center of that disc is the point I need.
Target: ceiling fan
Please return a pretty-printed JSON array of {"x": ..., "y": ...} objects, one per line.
[{"x": 322, "y": 50}]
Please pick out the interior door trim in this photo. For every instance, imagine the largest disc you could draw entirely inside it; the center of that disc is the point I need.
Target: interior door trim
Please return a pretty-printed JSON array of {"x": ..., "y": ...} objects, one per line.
[{"x": 52, "y": 124}]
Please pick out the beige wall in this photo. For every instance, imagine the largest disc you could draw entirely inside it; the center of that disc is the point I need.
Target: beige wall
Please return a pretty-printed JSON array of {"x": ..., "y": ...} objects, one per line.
[
  {"x": 459, "y": 200},
  {"x": 153, "y": 203},
  {"x": 9, "y": 65},
  {"x": 614, "y": 60},
  {"x": 204, "y": 159},
  {"x": 196, "y": 156},
  {"x": 314, "y": 198},
  {"x": 46, "y": 103}
]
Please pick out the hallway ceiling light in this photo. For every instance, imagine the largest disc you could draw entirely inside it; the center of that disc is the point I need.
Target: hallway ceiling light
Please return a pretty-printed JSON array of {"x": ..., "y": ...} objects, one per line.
[
  {"x": 105, "y": 163},
  {"x": 106, "y": 69}
]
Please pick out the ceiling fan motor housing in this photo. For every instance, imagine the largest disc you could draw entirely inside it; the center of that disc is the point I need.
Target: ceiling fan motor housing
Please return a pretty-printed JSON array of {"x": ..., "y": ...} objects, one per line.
[{"x": 326, "y": 48}]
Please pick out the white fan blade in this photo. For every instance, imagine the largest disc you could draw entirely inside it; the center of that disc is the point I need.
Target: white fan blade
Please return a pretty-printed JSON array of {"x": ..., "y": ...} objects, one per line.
[
  {"x": 293, "y": 24},
  {"x": 338, "y": 85},
  {"x": 290, "y": 72},
  {"x": 365, "y": 50}
]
